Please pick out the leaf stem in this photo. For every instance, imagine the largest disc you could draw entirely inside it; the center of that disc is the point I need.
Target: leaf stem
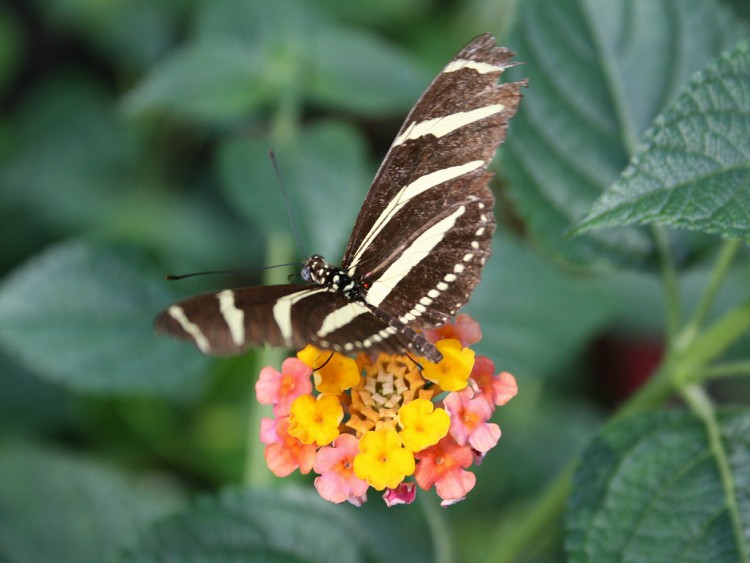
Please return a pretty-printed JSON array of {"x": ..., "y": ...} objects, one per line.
[
  {"x": 701, "y": 405},
  {"x": 728, "y": 370},
  {"x": 279, "y": 250},
  {"x": 724, "y": 260},
  {"x": 696, "y": 352},
  {"x": 440, "y": 533},
  {"x": 672, "y": 302}
]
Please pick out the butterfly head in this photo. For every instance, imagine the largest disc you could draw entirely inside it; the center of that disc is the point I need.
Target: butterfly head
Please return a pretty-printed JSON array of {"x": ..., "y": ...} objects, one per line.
[{"x": 315, "y": 269}]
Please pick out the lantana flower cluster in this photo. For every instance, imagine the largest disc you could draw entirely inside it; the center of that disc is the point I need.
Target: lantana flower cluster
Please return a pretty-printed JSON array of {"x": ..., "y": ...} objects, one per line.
[{"x": 386, "y": 421}]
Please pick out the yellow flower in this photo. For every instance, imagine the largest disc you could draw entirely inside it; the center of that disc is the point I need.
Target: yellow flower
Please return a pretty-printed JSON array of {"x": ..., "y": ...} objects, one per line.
[
  {"x": 452, "y": 372},
  {"x": 337, "y": 374},
  {"x": 315, "y": 421},
  {"x": 423, "y": 425},
  {"x": 382, "y": 460}
]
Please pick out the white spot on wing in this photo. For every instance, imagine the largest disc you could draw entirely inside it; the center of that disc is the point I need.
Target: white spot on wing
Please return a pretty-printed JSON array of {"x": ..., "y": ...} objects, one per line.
[
  {"x": 234, "y": 317},
  {"x": 413, "y": 255},
  {"x": 406, "y": 194},
  {"x": 340, "y": 317},
  {"x": 282, "y": 311},
  {"x": 176, "y": 312},
  {"x": 446, "y": 124},
  {"x": 480, "y": 67}
]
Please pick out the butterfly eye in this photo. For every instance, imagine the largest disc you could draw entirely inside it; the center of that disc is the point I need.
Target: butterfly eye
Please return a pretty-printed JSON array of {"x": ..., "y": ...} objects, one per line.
[{"x": 306, "y": 274}]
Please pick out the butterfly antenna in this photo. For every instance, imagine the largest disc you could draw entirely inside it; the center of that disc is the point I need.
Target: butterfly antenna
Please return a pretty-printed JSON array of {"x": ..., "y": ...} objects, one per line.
[
  {"x": 172, "y": 277},
  {"x": 416, "y": 363},
  {"x": 324, "y": 363},
  {"x": 272, "y": 155}
]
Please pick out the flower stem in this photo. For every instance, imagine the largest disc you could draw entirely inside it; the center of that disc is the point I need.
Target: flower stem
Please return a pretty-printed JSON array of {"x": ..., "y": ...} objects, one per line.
[
  {"x": 439, "y": 531},
  {"x": 279, "y": 250},
  {"x": 701, "y": 405},
  {"x": 728, "y": 250},
  {"x": 511, "y": 538},
  {"x": 669, "y": 282}
]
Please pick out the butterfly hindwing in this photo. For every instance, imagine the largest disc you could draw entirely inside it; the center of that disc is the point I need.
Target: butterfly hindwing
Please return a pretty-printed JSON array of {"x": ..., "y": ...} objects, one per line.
[{"x": 231, "y": 321}]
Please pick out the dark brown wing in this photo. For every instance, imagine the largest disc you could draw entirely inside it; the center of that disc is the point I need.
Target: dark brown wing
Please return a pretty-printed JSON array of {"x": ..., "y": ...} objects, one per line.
[
  {"x": 233, "y": 320},
  {"x": 426, "y": 226}
]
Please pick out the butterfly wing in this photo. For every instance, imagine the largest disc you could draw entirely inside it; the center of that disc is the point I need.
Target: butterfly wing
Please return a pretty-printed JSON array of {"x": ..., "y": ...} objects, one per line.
[
  {"x": 425, "y": 229},
  {"x": 233, "y": 320}
]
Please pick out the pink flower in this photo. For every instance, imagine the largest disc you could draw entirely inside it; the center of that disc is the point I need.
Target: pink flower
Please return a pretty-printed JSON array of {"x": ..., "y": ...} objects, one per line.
[
  {"x": 504, "y": 388},
  {"x": 405, "y": 493},
  {"x": 464, "y": 328},
  {"x": 334, "y": 463},
  {"x": 469, "y": 416},
  {"x": 443, "y": 465},
  {"x": 268, "y": 431},
  {"x": 280, "y": 389},
  {"x": 497, "y": 389},
  {"x": 287, "y": 453}
]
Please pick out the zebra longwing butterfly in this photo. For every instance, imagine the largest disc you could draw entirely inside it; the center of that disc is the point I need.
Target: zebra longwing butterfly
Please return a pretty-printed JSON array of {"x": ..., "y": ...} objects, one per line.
[{"x": 418, "y": 245}]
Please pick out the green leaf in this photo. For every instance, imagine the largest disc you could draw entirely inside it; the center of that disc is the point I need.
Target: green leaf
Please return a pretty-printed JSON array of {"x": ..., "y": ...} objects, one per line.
[
  {"x": 11, "y": 46},
  {"x": 258, "y": 23},
  {"x": 694, "y": 171},
  {"x": 244, "y": 57},
  {"x": 205, "y": 81},
  {"x": 649, "y": 489},
  {"x": 72, "y": 161},
  {"x": 248, "y": 55},
  {"x": 80, "y": 316},
  {"x": 58, "y": 507},
  {"x": 358, "y": 72},
  {"x": 130, "y": 32},
  {"x": 599, "y": 73},
  {"x": 325, "y": 175},
  {"x": 526, "y": 307},
  {"x": 258, "y": 525}
]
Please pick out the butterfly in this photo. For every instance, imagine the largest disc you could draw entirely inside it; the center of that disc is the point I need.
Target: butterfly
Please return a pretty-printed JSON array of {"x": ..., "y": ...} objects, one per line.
[{"x": 418, "y": 245}]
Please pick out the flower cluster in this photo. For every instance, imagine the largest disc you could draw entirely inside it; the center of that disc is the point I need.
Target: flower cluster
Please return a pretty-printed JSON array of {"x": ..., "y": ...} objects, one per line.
[{"x": 385, "y": 422}]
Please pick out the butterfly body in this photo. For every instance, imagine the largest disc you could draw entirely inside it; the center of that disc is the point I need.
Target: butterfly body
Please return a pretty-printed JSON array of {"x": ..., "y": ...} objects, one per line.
[{"x": 418, "y": 245}]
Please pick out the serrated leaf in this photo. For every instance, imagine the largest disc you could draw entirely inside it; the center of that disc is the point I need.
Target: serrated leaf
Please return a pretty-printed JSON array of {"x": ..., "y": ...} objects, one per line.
[
  {"x": 325, "y": 175},
  {"x": 82, "y": 317},
  {"x": 649, "y": 489},
  {"x": 58, "y": 507},
  {"x": 694, "y": 171},
  {"x": 599, "y": 73},
  {"x": 525, "y": 307},
  {"x": 270, "y": 525}
]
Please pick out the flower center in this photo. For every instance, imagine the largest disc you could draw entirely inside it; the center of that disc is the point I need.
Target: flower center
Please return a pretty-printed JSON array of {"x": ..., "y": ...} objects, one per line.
[{"x": 387, "y": 385}]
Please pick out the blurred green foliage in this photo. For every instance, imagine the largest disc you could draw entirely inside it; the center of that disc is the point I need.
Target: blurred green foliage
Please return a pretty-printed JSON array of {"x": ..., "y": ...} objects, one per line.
[{"x": 133, "y": 143}]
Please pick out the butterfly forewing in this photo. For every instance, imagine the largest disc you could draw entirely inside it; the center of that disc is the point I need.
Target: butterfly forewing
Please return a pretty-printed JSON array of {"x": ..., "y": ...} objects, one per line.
[
  {"x": 425, "y": 229},
  {"x": 418, "y": 245}
]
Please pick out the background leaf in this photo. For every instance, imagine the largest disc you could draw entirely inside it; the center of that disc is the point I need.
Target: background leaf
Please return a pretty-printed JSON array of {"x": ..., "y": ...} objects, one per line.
[
  {"x": 80, "y": 316},
  {"x": 649, "y": 489},
  {"x": 513, "y": 302},
  {"x": 273, "y": 525},
  {"x": 325, "y": 174},
  {"x": 58, "y": 507},
  {"x": 599, "y": 74},
  {"x": 695, "y": 169}
]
